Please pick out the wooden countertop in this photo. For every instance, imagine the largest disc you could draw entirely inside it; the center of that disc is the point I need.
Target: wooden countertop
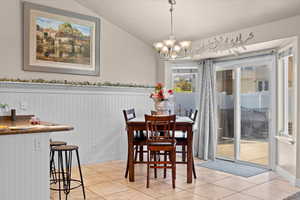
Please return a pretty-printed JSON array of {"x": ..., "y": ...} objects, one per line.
[{"x": 23, "y": 126}]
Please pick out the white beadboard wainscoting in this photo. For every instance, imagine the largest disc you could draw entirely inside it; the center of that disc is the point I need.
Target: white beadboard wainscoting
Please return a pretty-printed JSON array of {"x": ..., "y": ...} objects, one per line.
[{"x": 95, "y": 113}]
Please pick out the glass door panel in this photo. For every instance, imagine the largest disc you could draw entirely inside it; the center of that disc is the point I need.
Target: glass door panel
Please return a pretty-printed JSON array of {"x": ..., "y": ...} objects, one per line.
[
  {"x": 225, "y": 104},
  {"x": 255, "y": 108}
]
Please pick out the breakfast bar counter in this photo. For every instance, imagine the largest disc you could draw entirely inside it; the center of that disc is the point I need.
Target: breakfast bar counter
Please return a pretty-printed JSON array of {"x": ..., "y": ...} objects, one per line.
[
  {"x": 22, "y": 125},
  {"x": 24, "y": 154}
]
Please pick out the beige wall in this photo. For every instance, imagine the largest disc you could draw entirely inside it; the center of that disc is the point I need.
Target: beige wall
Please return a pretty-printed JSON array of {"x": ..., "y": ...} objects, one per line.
[{"x": 123, "y": 57}]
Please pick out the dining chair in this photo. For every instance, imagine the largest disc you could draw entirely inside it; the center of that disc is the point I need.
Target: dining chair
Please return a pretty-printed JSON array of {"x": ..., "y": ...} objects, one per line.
[
  {"x": 139, "y": 140},
  {"x": 182, "y": 141},
  {"x": 160, "y": 138}
]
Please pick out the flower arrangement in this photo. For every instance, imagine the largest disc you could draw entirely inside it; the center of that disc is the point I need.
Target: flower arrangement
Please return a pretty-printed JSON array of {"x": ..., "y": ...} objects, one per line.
[{"x": 161, "y": 93}]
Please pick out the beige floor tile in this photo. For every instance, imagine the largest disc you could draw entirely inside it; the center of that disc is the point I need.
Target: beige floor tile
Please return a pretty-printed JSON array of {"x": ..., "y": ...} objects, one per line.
[
  {"x": 272, "y": 190},
  {"x": 93, "y": 180},
  {"x": 108, "y": 188},
  {"x": 76, "y": 195},
  {"x": 140, "y": 181},
  {"x": 262, "y": 178},
  {"x": 212, "y": 177},
  {"x": 182, "y": 183},
  {"x": 130, "y": 194},
  {"x": 234, "y": 183},
  {"x": 182, "y": 195},
  {"x": 158, "y": 189},
  {"x": 211, "y": 191},
  {"x": 239, "y": 196}
]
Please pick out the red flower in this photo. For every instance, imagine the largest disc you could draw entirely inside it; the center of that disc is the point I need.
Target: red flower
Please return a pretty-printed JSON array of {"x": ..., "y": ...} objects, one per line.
[
  {"x": 170, "y": 91},
  {"x": 161, "y": 94}
]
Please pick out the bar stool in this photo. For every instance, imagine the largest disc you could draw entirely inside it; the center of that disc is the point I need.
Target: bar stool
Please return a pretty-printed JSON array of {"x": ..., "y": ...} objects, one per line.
[
  {"x": 52, "y": 161},
  {"x": 64, "y": 171}
]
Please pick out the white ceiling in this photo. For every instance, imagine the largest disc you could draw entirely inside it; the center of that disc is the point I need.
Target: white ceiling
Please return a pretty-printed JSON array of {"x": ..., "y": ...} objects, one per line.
[{"x": 194, "y": 19}]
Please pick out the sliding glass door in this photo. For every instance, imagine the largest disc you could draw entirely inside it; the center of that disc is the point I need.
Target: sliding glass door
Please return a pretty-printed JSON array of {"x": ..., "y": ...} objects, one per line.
[
  {"x": 255, "y": 102},
  {"x": 225, "y": 113},
  {"x": 244, "y": 102}
]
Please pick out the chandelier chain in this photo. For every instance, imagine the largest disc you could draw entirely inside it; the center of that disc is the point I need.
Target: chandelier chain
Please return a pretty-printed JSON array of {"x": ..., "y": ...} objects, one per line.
[{"x": 172, "y": 22}]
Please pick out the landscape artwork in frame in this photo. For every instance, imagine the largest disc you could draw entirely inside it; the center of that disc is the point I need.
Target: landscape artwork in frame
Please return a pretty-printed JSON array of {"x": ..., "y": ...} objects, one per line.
[{"x": 60, "y": 41}]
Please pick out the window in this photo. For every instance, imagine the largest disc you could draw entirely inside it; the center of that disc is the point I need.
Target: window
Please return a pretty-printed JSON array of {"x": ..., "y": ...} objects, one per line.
[{"x": 184, "y": 79}]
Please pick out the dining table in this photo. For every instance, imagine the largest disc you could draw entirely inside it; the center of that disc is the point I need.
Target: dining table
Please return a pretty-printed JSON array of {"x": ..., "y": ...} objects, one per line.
[{"x": 182, "y": 123}]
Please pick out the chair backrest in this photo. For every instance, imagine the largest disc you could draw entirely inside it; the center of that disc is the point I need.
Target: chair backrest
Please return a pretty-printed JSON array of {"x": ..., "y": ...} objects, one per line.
[
  {"x": 160, "y": 127},
  {"x": 129, "y": 114},
  {"x": 153, "y": 112},
  {"x": 193, "y": 115}
]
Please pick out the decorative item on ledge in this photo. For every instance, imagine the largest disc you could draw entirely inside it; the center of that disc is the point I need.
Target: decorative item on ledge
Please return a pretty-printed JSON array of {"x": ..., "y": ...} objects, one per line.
[
  {"x": 225, "y": 43},
  {"x": 163, "y": 100},
  {"x": 76, "y": 83},
  {"x": 4, "y": 109}
]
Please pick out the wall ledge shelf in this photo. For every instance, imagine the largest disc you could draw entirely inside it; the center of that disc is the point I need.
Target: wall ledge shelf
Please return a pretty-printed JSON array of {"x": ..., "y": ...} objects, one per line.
[{"x": 75, "y": 88}]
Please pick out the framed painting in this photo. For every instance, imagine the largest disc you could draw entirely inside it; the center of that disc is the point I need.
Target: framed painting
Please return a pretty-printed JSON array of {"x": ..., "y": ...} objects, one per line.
[{"x": 60, "y": 41}]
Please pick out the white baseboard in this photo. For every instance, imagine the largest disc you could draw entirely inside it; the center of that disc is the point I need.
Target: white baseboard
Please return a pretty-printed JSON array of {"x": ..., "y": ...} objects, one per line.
[{"x": 288, "y": 176}]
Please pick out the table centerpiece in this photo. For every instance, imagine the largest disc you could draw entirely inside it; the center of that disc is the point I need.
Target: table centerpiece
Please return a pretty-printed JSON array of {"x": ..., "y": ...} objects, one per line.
[{"x": 163, "y": 100}]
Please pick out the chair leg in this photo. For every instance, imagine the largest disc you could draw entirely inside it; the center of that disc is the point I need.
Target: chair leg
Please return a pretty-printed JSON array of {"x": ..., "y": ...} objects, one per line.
[
  {"x": 165, "y": 165},
  {"x": 148, "y": 166},
  {"x": 173, "y": 155},
  {"x": 183, "y": 153},
  {"x": 194, "y": 171},
  {"x": 127, "y": 166},
  {"x": 155, "y": 165}
]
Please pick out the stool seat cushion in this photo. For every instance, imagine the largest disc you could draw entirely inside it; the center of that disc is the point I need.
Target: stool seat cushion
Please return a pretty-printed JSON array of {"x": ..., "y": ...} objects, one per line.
[{"x": 65, "y": 148}]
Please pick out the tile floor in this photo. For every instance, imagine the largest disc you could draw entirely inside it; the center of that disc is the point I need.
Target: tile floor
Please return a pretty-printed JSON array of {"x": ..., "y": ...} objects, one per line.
[{"x": 106, "y": 181}]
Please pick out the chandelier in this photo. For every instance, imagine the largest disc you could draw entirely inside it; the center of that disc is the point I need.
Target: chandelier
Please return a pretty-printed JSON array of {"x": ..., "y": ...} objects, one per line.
[{"x": 171, "y": 49}]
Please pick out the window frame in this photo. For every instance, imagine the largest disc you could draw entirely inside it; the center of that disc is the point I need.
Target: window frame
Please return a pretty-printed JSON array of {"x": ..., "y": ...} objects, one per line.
[{"x": 283, "y": 61}]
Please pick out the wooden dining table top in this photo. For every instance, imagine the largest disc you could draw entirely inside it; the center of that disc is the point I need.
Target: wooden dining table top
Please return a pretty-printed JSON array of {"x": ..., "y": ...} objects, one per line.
[{"x": 179, "y": 119}]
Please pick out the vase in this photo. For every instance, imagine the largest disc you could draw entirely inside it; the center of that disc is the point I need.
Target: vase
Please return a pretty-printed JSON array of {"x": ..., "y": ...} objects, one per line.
[{"x": 164, "y": 107}]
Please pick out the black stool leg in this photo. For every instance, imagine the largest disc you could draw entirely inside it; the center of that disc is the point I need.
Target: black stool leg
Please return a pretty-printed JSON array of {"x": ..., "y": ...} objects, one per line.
[
  {"x": 67, "y": 182},
  {"x": 59, "y": 162},
  {"x": 79, "y": 167},
  {"x": 52, "y": 166}
]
